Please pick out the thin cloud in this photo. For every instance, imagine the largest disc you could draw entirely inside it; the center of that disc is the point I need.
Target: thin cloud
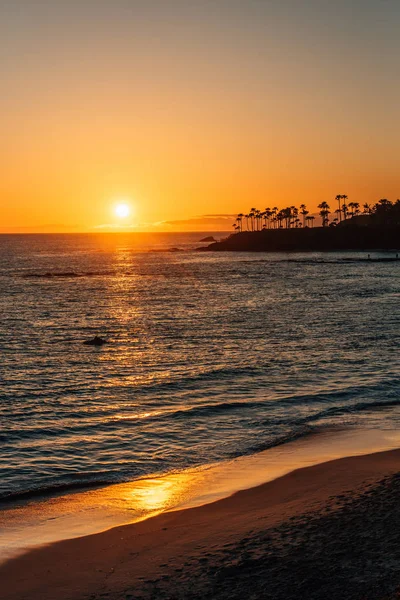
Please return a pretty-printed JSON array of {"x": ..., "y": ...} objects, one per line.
[{"x": 203, "y": 219}]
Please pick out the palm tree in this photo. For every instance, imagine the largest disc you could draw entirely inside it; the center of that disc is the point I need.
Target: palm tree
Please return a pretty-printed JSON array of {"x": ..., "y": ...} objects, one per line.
[
  {"x": 352, "y": 206},
  {"x": 275, "y": 211},
  {"x": 310, "y": 219},
  {"x": 240, "y": 220},
  {"x": 294, "y": 214},
  {"x": 267, "y": 215},
  {"x": 324, "y": 212},
  {"x": 304, "y": 212},
  {"x": 252, "y": 214},
  {"x": 344, "y": 198},
  {"x": 345, "y": 210},
  {"x": 256, "y": 220},
  {"x": 287, "y": 216},
  {"x": 260, "y": 217},
  {"x": 367, "y": 208},
  {"x": 339, "y": 198}
]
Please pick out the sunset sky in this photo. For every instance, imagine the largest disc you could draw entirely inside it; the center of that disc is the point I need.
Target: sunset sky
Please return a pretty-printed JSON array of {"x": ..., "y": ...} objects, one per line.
[{"x": 186, "y": 108}]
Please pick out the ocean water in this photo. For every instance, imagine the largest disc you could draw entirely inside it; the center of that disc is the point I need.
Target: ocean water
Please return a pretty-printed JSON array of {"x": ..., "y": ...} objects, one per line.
[{"x": 209, "y": 355}]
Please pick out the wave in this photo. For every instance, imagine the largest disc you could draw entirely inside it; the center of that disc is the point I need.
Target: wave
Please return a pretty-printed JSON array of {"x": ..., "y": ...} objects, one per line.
[
  {"x": 343, "y": 260},
  {"x": 68, "y": 274},
  {"x": 92, "y": 481},
  {"x": 53, "y": 490},
  {"x": 263, "y": 409},
  {"x": 298, "y": 428}
]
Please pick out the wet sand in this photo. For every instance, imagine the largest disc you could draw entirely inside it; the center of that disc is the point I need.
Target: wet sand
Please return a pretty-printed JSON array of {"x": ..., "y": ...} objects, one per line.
[{"x": 327, "y": 531}]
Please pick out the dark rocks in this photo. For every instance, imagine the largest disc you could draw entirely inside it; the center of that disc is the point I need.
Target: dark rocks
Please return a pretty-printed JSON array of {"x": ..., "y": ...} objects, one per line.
[{"x": 96, "y": 341}]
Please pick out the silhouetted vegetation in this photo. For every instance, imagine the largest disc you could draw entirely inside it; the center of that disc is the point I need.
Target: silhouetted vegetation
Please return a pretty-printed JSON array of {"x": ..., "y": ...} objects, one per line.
[
  {"x": 348, "y": 227},
  {"x": 386, "y": 212},
  {"x": 383, "y": 212}
]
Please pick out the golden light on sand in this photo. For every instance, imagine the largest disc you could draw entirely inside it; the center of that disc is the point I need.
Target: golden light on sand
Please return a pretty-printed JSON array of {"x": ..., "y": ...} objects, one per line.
[{"x": 122, "y": 210}]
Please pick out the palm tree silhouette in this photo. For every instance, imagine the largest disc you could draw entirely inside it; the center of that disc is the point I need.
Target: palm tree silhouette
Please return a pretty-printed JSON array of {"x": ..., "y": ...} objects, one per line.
[
  {"x": 267, "y": 216},
  {"x": 339, "y": 210},
  {"x": 304, "y": 212},
  {"x": 286, "y": 218},
  {"x": 286, "y": 215},
  {"x": 275, "y": 211},
  {"x": 252, "y": 214},
  {"x": 352, "y": 206},
  {"x": 311, "y": 220},
  {"x": 324, "y": 212}
]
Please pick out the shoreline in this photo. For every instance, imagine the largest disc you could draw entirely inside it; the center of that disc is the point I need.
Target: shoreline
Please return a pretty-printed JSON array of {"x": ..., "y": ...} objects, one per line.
[
  {"x": 178, "y": 552},
  {"x": 27, "y": 524}
]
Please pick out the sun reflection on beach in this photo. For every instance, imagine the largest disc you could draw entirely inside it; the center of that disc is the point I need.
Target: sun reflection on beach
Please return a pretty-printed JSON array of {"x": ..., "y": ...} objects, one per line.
[
  {"x": 161, "y": 494},
  {"x": 155, "y": 494}
]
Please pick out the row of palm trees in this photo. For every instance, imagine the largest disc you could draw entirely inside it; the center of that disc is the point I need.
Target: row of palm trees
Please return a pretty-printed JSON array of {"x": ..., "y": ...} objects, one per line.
[{"x": 293, "y": 217}]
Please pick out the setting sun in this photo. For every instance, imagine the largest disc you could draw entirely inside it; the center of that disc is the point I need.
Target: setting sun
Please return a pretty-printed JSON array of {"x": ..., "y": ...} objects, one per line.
[{"x": 122, "y": 210}]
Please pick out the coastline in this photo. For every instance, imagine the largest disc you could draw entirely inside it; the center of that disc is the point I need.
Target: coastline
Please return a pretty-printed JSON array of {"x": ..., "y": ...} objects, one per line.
[
  {"x": 28, "y": 524},
  {"x": 316, "y": 239},
  {"x": 215, "y": 550}
]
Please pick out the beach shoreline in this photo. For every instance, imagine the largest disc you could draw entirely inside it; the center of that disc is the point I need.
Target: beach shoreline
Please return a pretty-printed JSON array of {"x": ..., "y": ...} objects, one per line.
[
  {"x": 217, "y": 549},
  {"x": 27, "y": 524}
]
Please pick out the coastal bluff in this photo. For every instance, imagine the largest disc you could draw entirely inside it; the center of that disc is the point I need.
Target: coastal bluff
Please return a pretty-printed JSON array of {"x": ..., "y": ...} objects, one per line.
[{"x": 314, "y": 239}]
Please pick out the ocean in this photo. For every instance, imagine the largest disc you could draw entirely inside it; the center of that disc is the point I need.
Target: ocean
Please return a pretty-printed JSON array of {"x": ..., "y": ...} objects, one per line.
[{"x": 209, "y": 356}]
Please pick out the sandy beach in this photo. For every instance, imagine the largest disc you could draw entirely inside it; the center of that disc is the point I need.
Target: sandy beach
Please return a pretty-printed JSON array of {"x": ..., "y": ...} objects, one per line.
[{"x": 326, "y": 531}]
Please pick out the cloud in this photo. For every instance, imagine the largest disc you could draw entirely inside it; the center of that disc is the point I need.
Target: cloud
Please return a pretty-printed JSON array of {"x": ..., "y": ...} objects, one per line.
[
  {"x": 46, "y": 228},
  {"x": 216, "y": 222},
  {"x": 220, "y": 222},
  {"x": 226, "y": 215}
]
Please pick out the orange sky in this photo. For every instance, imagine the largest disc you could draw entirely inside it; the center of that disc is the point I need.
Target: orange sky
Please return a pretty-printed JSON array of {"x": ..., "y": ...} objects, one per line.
[{"x": 192, "y": 109}]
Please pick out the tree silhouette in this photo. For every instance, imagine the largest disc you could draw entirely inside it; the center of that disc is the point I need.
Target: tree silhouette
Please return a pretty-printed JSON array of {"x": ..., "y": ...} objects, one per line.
[
  {"x": 324, "y": 213},
  {"x": 304, "y": 212},
  {"x": 384, "y": 212},
  {"x": 339, "y": 198},
  {"x": 311, "y": 220}
]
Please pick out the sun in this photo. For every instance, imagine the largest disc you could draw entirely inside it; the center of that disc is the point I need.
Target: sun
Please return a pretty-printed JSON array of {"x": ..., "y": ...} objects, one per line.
[{"x": 122, "y": 210}]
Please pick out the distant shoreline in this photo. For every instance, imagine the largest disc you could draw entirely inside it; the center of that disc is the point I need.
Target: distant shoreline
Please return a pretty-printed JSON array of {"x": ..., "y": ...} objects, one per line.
[{"x": 316, "y": 239}]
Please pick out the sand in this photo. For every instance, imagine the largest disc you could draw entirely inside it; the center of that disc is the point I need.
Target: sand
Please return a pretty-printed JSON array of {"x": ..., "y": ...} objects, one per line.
[{"x": 327, "y": 531}]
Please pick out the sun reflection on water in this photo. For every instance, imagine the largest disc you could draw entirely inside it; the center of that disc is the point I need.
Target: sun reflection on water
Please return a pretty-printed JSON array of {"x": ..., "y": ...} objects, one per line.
[{"x": 157, "y": 494}]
